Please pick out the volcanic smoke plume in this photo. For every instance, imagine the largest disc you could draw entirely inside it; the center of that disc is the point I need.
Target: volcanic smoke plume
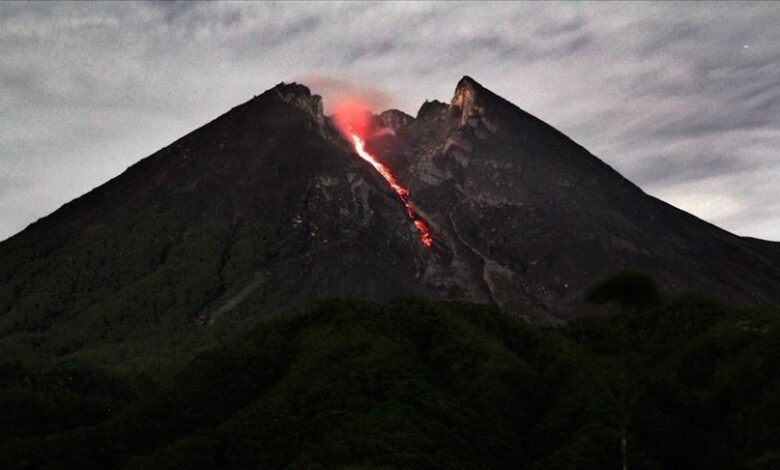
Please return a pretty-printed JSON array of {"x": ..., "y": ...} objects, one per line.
[{"x": 352, "y": 119}]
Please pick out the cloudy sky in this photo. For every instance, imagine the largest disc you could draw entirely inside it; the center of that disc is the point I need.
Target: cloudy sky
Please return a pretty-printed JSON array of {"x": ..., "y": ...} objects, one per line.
[{"x": 683, "y": 99}]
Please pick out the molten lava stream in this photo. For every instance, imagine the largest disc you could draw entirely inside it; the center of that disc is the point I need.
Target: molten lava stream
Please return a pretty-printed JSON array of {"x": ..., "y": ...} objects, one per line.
[{"x": 422, "y": 228}]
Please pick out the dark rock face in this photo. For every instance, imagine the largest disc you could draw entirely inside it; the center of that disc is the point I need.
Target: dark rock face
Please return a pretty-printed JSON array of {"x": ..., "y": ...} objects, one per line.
[
  {"x": 395, "y": 119},
  {"x": 521, "y": 216},
  {"x": 432, "y": 109},
  {"x": 533, "y": 219}
]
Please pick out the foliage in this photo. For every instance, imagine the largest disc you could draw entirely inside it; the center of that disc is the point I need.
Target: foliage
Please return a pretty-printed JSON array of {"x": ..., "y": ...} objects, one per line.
[
  {"x": 689, "y": 384},
  {"x": 113, "y": 297}
]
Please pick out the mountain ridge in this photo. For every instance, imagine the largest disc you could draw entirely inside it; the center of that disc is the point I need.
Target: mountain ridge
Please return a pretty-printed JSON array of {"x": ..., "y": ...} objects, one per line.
[{"x": 268, "y": 207}]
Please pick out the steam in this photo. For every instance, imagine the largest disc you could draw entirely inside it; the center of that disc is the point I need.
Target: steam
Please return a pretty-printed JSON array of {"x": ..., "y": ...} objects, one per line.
[
  {"x": 384, "y": 131},
  {"x": 336, "y": 90}
]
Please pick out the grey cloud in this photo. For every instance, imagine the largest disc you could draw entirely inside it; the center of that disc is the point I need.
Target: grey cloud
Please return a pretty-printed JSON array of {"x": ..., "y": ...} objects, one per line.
[
  {"x": 711, "y": 124},
  {"x": 676, "y": 169},
  {"x": 368, "y": 49},
  {"x": 666, "y": 93},
  {"x": 563, "y": 27},
  {"x": 173, "y": 10},
  {"x": 9, "y": 185}
]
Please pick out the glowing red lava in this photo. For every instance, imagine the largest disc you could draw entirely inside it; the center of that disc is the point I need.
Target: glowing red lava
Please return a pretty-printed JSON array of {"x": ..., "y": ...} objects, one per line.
[{"x": 352, "y": 120}]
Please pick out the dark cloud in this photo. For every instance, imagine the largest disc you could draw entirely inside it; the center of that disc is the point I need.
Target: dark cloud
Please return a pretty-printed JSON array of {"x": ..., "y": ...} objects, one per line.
[
  {"x": 675, "y": 169},
  {"x": 367, "y": 49},
  {"x": 682, "y": 98},
  {"x": 566, "y": 26}
]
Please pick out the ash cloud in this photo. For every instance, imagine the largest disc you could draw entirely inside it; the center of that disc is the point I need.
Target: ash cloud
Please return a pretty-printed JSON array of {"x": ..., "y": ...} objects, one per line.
[{"x": 682, "y": 98}]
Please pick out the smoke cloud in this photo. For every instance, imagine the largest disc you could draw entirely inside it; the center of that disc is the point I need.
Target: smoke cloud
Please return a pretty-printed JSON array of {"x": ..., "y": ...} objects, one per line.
[{"x": 336, "y": 91}]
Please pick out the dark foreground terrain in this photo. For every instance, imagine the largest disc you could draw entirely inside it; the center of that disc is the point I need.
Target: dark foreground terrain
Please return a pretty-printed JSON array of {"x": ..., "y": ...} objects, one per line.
[{"x": 349, "y": 384}]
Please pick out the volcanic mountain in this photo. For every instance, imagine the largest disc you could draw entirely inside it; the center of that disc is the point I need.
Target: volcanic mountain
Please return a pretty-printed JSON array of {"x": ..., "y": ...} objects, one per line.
[{"x": 269, "y": 207}]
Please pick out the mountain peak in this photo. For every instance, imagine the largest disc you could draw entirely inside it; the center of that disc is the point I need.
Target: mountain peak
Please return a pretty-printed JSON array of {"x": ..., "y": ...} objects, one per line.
[
  {"x": 468, "y": 82},
  {"x": 465, "y": 92},
  {"x": 301, "y": 97},
  {"x": 395, "y": 119},
  {"x": 433, "y": 108},
  {"x": 292, "y": 88},
  {"x": 470, "y": 102}
]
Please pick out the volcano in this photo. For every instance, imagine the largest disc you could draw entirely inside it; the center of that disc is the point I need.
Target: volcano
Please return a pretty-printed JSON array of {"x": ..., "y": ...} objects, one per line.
[{"x": 269, "y": 207}]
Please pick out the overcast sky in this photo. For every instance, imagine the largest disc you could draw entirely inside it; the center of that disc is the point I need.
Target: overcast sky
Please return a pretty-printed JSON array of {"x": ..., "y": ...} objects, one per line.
[{"x": 683, "y": 99}]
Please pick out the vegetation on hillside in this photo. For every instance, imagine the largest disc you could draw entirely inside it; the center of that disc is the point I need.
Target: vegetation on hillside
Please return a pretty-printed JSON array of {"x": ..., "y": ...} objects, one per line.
[
  {"x": 687, "y": 384},
  {"x": 126, "y": 296}
]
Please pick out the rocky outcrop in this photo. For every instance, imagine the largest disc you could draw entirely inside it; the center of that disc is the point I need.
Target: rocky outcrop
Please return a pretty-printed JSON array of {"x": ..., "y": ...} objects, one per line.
[
  {"x": 470, "y": 104},
  {"x": 300, "y": 96},
  {"x": 395, "y": 119},
  {"x": 432, "y": 110}
]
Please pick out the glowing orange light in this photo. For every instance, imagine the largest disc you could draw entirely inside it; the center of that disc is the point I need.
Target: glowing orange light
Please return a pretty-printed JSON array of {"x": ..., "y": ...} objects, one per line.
[
  {"x": 425, "y": 233},
  {"x": 360, "y": 148},
  {"x": 351, "y": 118}
]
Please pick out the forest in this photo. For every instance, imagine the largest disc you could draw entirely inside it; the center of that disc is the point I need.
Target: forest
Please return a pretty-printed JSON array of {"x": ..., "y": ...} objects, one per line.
[{"x": 664, "y": 384}]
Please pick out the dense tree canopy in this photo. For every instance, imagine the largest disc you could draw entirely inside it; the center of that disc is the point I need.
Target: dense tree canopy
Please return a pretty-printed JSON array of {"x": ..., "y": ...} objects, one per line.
[{"x": 688, "y": 384}]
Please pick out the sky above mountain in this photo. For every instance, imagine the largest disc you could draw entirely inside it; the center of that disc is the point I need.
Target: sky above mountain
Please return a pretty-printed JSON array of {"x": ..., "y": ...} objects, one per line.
[{"x": 683, "y": 99}]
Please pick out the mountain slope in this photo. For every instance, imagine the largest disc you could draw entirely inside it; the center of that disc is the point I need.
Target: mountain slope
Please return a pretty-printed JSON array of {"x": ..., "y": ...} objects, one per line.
[
  {"x": 268, "y": 207},
  {"x": 544, "y": 218},
  {"x": 416, "y": 384},
  {"x": 267, "y": 195}
]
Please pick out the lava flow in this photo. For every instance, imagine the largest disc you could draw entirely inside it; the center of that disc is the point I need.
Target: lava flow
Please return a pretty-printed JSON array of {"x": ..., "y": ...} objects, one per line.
[
  {"x": 351, "y": 118},
  {"x": 403, "y": 193}
]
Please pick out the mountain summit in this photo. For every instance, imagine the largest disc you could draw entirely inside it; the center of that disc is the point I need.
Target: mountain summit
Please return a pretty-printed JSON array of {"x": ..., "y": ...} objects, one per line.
[{"x": 269, "y": 207}]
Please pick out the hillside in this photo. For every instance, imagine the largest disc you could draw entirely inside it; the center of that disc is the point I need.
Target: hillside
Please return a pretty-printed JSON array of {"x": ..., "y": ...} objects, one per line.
[{"x": 410, "y": 384}]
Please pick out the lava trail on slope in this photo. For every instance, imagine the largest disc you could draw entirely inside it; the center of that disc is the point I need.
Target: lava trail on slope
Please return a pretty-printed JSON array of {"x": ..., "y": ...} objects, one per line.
[
  {"x": 422, "y": 227},
  {"x": 351, "y": 118}
]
